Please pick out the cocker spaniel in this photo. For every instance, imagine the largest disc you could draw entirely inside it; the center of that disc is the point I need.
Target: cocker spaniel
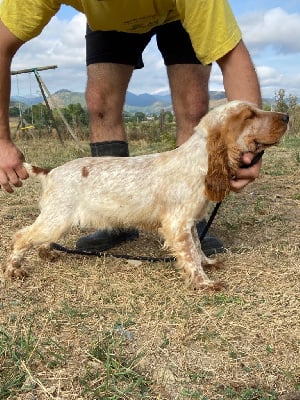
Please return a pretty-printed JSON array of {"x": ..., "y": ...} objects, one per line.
[{"x": 166, "y": 192}]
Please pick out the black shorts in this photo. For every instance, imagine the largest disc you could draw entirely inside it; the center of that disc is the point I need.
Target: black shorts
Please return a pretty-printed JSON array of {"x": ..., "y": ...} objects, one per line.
[{"x": 126, "y": 48}]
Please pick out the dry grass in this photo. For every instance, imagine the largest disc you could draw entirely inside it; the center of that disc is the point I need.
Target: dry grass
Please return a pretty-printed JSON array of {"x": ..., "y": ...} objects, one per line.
[{"x": 105, "y": 328}]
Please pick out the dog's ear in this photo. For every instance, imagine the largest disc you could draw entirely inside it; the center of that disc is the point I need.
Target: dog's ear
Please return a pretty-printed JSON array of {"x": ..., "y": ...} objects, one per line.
[{"x": 217, "y": 180}]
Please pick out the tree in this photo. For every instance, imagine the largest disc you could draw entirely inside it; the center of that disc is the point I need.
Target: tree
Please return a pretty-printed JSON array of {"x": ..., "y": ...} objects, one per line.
[
  {"x": 139, "y": 116},
  {"x": 75, "y": 114},
  {"x": 280, "y": 102},
  {"x": 290, "y": 106},
  {"x": 14, "y": 111}
]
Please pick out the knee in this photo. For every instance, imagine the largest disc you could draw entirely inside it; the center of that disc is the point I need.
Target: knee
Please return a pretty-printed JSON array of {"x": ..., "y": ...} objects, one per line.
[
  {"x": 196, "y": 111},
  {"x": 192, "y": 109},
  {"x": 97, "y": 101},
  {"x": 191, "y": 114},
  {"x": 187, "y": 117}
]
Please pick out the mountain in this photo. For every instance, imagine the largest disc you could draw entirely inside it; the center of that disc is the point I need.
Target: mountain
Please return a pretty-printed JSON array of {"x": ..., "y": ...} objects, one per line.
[
  {"x": 145, "y": 102},
  {"x": 28, "y": 100}
]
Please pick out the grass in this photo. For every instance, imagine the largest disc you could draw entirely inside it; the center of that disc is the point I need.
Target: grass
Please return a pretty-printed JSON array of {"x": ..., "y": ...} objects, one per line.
[
  {"x": 112, "y": 374},
  {"x": 20, "y": 351},
  {"x": 103, "y": 328}
]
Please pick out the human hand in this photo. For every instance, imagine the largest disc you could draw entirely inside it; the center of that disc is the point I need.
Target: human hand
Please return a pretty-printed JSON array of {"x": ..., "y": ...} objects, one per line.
[
  {"x": 248, "y": 172},
  {"x": 12, "y": 171}
]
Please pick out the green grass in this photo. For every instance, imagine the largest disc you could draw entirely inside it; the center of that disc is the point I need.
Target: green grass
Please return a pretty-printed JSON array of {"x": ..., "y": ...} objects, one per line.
[
  {"x": 19, "y": 353},
  {"x": 291, "y": 142},
  {"x": 112, "y": 375},
  {"x": 15, "y": 350}
]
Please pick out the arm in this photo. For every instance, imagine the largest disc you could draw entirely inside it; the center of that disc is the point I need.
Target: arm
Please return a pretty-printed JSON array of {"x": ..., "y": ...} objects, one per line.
[
  {"x": 11, "y": 158},
  {"x": 241, "y": 83}
]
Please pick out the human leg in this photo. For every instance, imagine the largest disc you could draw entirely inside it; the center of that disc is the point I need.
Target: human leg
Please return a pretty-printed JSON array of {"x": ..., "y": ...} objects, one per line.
[
  {"x": 188, "y": 80},
  {"x": 105, "y": 95},
  {"x": 111, "y": 59},
  {"x": 189, "y": 90}
]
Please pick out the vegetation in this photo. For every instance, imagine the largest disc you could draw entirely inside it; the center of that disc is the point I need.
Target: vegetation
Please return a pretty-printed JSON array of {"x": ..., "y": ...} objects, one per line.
[
  {"x": 87, "y": 328},
  {"x": 289, "y": 105},
  {"x": 139, "y": 125}
]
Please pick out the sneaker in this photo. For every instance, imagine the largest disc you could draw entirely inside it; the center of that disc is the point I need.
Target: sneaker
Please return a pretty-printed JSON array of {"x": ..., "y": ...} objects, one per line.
[
  {"x": 210, "y": 245},
  {"x": 104, "y": 240}
]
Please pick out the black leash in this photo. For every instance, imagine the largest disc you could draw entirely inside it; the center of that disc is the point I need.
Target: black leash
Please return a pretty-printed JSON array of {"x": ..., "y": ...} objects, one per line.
[
  {"x": 210, "y": 221},
  {"x": 257, "y": 157},
  {"x": 56, "y": 246}
]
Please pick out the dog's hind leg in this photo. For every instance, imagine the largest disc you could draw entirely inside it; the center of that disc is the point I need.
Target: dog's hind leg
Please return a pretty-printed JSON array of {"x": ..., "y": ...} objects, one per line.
[{"x": 41, "y": 233}]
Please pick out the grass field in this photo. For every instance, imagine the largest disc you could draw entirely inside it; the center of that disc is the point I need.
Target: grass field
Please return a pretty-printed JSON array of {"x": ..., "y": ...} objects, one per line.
[{"x": 107, "y": 328}]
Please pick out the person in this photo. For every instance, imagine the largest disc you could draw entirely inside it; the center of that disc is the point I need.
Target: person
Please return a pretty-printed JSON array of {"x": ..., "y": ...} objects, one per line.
[{"x": 190, "y": 36}]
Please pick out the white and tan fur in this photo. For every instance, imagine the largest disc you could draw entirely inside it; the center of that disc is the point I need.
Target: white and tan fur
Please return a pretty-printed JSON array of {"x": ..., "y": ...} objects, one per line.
[{"x": 166, "y": 192}]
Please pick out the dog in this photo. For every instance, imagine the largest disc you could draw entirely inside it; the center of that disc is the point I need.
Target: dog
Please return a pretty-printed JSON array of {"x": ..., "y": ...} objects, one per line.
[{"x": 166, "y": 192}]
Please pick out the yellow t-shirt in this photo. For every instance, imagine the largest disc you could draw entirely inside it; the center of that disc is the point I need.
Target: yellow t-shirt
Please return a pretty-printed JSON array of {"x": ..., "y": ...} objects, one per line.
[{"x": 210, "y": 23}]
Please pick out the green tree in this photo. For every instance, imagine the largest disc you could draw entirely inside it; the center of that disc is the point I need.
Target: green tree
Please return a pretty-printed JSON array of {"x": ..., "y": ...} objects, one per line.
[
  {"x": 75, "y": 114},
  {"x": 289, "y": 105},
  {"x": 169, "y": 117},
  {"x": 280, "y": 101},
  {"x": 139, "y": 116},
  {"x": 14, "y": 111}
]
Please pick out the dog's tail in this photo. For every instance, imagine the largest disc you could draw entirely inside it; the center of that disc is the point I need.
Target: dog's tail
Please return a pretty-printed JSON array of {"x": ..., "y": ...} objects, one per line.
[{"x": 36, "y": 172}]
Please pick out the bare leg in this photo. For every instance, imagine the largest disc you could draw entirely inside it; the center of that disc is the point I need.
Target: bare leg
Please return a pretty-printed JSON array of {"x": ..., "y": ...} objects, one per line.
[
  {"x": 189, "y": 89},
  {"x": 105, "y": 95}
]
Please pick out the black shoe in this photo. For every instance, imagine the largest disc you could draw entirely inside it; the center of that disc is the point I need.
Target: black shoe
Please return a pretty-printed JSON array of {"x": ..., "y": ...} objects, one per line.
[
  {"x": 104, "y": 240},
  {"x": 210, "y": 245}
]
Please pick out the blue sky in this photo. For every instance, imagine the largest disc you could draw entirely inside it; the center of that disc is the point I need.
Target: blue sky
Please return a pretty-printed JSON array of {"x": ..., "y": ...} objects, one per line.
[{"x": 271, "y": 31}]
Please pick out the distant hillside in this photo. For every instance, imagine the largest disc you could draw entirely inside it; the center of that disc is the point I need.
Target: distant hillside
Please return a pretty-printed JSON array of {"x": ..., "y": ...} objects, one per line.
[
  {"x": 28, "y": 100},
  {"x": 145, "y": 102},
  {"x": 65, "y": 97}
]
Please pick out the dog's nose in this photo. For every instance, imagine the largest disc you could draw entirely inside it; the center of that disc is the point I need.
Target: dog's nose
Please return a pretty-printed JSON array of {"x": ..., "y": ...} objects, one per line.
[{"x": 285, "y": 118}]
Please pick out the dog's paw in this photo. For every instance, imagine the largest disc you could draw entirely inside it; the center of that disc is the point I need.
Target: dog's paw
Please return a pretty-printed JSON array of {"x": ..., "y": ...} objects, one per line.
[
  {"x": 210, "y": 285},
  {"x": 14, "y": 273},
  {"x": 217, "y": 264},
  {"x": 45, "y": 253}
]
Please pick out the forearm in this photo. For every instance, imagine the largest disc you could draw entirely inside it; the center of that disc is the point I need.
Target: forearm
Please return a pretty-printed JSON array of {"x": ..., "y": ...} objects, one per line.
[
  {"x": 4, "y": 99},
  {"x": 239, "y": 76},
  {"x": 8, "y": 47},
  {"x": 241, "y": 83},
  {"x": 12, "y": 171}
]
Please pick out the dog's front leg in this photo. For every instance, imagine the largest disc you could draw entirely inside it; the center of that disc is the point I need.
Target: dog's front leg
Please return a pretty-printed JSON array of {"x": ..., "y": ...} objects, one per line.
[
  {"x": 179, "y": 238},
  {"x": 205, "y": 261}
]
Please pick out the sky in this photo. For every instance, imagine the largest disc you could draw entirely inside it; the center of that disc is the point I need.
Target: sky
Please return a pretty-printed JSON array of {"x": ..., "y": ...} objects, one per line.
[{"x": 271, "y": 31}]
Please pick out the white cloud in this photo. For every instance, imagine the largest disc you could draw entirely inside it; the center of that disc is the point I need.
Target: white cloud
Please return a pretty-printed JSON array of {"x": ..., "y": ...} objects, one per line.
[
  {"x": 274, "y": 28},
  {"x": 62, "y": 43},
  {"x": 269, "y": 75},
  {"x": 272, "y": 37}
]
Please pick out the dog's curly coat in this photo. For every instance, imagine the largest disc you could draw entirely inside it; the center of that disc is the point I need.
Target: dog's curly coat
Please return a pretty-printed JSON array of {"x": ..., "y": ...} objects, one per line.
[{"x": 167, "y": 192}]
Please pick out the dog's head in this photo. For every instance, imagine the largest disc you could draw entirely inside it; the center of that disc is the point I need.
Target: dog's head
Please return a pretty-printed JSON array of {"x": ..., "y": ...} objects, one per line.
[{"x": 233, "y": 129}]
